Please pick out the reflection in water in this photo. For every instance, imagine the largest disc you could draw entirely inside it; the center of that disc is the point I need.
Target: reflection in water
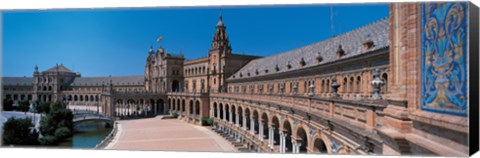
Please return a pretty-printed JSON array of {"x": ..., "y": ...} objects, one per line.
[{"x": 87, "y": 135}]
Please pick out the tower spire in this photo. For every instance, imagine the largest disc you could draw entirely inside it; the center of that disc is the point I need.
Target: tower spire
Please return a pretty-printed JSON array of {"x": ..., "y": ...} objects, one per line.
[{"x": 220, "y": 14}]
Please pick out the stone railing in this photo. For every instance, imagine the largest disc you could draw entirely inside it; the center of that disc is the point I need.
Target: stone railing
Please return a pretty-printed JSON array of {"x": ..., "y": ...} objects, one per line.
[
  {"x": 108, "y": 139},
  {"x": 246, "y": 135},
  {"x": 361, "y": 113}
]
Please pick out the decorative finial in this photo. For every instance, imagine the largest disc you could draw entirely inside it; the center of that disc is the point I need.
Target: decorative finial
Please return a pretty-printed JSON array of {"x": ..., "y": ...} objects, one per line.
[
  {"x": 220, "y": 14},
  {"x": 36, "y": 68}
]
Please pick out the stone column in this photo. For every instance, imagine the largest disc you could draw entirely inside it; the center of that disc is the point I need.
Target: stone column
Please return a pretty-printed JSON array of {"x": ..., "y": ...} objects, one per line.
[
  {"x": 271, "y": 134},
  {"x": 260, "y": 131},
  {"x": 244, "y": 120},
  {"x": 230, "y": 116},
  {"x": 282, "y": 142},
  {"x": 224, "y": 114},
  {"x": 236, "y": 119},
  {"x": 218, "y": 112},
  {"x": 252, "y": 126},
  {"x": 155, "y": 108}
]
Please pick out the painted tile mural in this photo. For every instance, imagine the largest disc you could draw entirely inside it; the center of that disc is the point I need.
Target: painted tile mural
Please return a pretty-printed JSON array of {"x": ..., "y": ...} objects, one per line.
[{"x": 444, "y": 58}]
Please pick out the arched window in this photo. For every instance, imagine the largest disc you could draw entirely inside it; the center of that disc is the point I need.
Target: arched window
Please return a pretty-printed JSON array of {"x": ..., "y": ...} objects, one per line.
[
  {"x": 359, "y": 82},
  {"x": 345, "y": 85},
  {"x": 385, "y": 85},
  {"x": 351, "y": 87}
]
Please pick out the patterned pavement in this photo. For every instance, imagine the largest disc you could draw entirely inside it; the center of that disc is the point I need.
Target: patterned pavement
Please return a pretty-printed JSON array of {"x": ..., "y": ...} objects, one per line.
[{"x": 167, "y": 135}]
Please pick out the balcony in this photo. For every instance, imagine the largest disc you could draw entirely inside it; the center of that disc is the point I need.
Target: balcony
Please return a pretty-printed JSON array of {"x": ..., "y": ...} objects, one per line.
[{"x": 365, "y": 114}]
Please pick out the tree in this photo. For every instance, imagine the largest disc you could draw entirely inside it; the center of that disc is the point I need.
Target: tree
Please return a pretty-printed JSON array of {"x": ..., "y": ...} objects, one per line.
[
  {"x": 57, "y": 124},
  {"x": 19, "y": 132},
  {"x": 43, "y": 107},
  {"x": 24, "y": 106},
  {"x": 7, "y": 104}
]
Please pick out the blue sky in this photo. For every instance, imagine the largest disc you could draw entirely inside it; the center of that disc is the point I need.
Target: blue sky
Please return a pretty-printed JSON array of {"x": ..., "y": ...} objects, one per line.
[{"x": 102, "y": 42}]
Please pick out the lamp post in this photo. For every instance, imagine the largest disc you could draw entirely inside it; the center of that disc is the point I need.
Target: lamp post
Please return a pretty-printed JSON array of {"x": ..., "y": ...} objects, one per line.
[{"x": 376, "y": 83}]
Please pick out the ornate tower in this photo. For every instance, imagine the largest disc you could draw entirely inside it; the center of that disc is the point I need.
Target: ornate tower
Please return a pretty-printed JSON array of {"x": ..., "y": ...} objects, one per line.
[
  {"x": 218, "y": 51},
  {"x": 149, "y": 67}
]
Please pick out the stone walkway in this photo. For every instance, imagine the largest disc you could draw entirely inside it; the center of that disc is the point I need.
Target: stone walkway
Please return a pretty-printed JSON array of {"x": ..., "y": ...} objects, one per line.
[{"x": 167, "y": 135}]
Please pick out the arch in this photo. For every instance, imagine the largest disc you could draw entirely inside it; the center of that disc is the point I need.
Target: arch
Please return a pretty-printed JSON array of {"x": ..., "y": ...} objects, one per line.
[
  {"x": 183, "y": 107},
  {"x": 215, "y": 110},
  {"x": 178, "y": 105},
  {"x": 75, "y": 98},
  {"x": 240, "y": 115},
  {"x": 86, "y": 98},
  {"x": 359, "y": 83},
  {"x": 92, "y": 98},
  {"x": 247, "y": 117},
  {"x": 276, "y": 130},
  {"x": 385, "y": 86},
  {"x": 221, "y": 110},
  {"x": 302, "y": 139},
  {"x": 264, "y": 123},
  {"x": 345, "y": 80},
  {"x": 81, "y": 97},
  {"x": 234, "y": 110},
  {"x": 328, "y": 86},
  {"x": 197, "y": 109},
  {"x": 256, "y": 120},
  {"x": 351, "y": 88},
  {"x": 287, "y": 129},
  {"x": 227, "y": 112},
  {"x": 160, "y": 105},
  {"x": 96, "y": 98},
  {"x": 172, "y": 106},
  {"x": 191, "y": 108},
  {"x": 319, "y": 146}
]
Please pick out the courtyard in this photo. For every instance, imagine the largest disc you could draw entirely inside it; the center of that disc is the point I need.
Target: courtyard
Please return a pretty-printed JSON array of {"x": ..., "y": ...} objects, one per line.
[{"x": 167, "y": 135}]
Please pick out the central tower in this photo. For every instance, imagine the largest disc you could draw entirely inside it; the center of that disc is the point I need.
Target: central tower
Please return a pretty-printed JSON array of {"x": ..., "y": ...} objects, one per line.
[{"x": 219, "y": 49}]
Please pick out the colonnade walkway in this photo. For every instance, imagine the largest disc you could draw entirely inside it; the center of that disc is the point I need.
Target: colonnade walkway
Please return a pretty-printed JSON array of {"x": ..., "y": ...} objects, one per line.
[{"x": 167, "y": 135}]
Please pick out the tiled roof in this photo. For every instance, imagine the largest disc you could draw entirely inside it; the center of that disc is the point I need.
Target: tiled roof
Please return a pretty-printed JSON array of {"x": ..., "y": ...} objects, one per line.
[
  {"x": 351, "y": 42},
  {"x": 27, "y": 81},
  {"x": 60, "y": 68},
  {"x": 116, "y": 80}
]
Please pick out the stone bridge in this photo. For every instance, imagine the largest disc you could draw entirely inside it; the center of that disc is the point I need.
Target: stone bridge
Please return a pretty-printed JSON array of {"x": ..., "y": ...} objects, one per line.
[{"x": 80, "y": 116}]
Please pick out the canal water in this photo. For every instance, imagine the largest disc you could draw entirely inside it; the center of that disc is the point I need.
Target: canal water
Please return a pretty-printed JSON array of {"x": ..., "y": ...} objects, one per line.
[{"x": 87, "y": 135}]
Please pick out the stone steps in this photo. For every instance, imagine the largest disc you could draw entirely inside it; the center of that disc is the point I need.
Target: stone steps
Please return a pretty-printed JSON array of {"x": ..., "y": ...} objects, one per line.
[{"x": 238, "y": 145}]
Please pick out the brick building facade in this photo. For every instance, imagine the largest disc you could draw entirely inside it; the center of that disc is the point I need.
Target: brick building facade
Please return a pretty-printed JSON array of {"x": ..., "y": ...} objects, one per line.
[{"x": 397, "y": 86}]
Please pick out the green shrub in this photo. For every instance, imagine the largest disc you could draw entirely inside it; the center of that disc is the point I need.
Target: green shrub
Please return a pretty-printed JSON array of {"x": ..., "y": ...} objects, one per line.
[
  {"x": 207, "y": 121},
  {"x": 48, "y": 140},
  {"x": 175, "y": 114},
  {"x": 7, "y": 104},
  {"x": 62, "y": 133},
  {"x": 24, "y": 106},
  {"x": 19, "y": 132}
]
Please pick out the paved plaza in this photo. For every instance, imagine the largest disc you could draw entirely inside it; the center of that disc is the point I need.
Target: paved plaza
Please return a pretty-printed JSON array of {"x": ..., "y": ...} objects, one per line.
[{"x": 167, "y": 135}]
